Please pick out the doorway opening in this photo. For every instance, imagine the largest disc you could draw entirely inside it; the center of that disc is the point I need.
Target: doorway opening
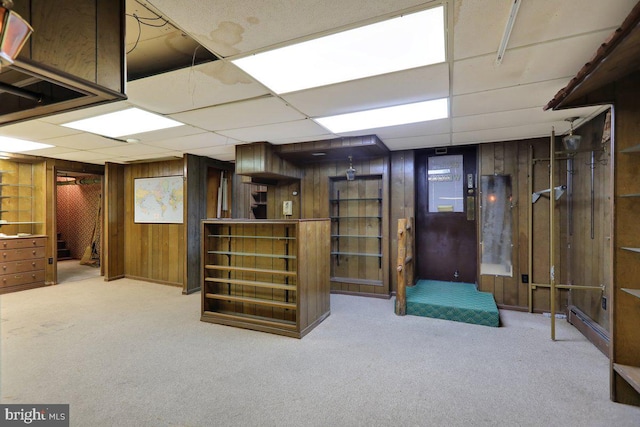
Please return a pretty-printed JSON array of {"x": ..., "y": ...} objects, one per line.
[
  {"x": 78, "y": 226},
  {"x": 446, "y": 220}
]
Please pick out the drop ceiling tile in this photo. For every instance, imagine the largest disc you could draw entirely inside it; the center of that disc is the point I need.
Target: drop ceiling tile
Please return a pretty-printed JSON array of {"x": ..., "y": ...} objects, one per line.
[
  {"x": 418, "y": 84},
  {"x": 304, "y": 139},
  {"x": 549, "y": 61},
  {"x": 36, "y": 130},
  {"x": 242, "y": 114},
  {"x": 506, "y": 99},
  {"x": 521, "y": 117},
  {"x": 158, "y": 135},
  {"x": 535, "y": 130},
  {"x": 432, "y": 127},
  {"x": 83, "y": 141},
  {"x": 52, "y": 152},
  {"x": 479, "y": 26},
  {"x": 416, "y": 142},
  {"x": 131, "y": 150},
  {"x": 224, "y": 153},
  {"x": 167, "y": 155},
  {"x": 242, "y": 26},
  {"x": 277, "y": 131},
  {"x": 203, "y": 85},
  {"x": 88, "y": 157},
  {"x": 201, "y": 140},
  {"x": 545, "y": 20},
  {"x": 84, "y": 113}
]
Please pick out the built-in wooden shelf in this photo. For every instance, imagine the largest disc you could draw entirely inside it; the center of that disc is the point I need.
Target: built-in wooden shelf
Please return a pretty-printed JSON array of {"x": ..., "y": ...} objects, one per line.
[
  {"x": 249, "y": 269},
  {"x": 358, "y": 213},
  {"x": 364, "y": 199},
  {"x": 18, "y": 222},
  {"x": 634, "y": 292},
  {"x": 231, "y": 236},
  {"x": 355, "y": 217},
  {"x": 631, "y": 150},
  {"x": 357, "y": 254},
  {"x": 250, "y": 300},
  {"x": 355, "y": 236},
  {"x": 631, "y": 374},
  {"x": 253, "y": 254},
  {"x": 253, "y": 283},
  {"x": 626, "y": 248},
  {"x": 16, "y": 185}
]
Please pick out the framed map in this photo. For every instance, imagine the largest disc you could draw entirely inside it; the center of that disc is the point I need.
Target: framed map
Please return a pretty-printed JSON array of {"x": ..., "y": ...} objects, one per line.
[{"x": 159, "y": 200}]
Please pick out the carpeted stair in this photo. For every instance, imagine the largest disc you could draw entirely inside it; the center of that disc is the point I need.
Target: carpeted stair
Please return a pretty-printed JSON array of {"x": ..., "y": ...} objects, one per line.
[{"x": 460, "y": 302}]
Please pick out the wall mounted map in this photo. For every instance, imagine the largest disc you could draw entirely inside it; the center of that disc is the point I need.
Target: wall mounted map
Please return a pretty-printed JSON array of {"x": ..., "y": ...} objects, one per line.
[{"x": 159, "y": 200}]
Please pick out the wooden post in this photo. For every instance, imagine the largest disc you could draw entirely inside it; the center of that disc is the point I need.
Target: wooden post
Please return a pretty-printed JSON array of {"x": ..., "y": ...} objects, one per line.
[
  {"x": 401, "y": 295},
  {"x": 552, "y": 225}
]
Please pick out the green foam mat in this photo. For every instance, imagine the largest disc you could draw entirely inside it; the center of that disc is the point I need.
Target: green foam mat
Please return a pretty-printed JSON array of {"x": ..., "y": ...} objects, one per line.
[{"x": 460, "y": 302}]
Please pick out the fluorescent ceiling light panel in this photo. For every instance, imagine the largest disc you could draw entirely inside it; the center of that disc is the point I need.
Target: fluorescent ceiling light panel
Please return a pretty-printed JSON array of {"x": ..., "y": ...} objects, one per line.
[
  {"x": 15, "y": 145},
  {"x": 120, "y": 123},
  {"x": 388, "y": 116},
  {"x": 400, "y": 43}
]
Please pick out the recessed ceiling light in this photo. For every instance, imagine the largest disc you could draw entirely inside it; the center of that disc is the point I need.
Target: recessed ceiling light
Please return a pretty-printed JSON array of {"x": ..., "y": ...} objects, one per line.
[
  {"x": 408, "y": 41},
  {"x": 15, "y": 145},
  {"x": 388, "y": 116},
  {"x": 126, "y": 122}
]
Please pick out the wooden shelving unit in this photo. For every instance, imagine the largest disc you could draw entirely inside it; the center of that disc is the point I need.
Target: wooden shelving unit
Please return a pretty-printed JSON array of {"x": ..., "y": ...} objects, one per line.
[
  {"x": 357, "y": 237},
  {"x": 19, "y": 196},
  {"x": 625, "y": 313},
  {"x": 266, "y": 275}
]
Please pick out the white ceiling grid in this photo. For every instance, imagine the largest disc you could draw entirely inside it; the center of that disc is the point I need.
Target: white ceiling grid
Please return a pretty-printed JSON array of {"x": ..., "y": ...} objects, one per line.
[{"x": 222, "y": 106}]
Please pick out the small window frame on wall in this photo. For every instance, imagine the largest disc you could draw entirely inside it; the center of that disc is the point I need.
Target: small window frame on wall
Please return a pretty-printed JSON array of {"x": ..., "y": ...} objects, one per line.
[{"x": 445, "y": 177}]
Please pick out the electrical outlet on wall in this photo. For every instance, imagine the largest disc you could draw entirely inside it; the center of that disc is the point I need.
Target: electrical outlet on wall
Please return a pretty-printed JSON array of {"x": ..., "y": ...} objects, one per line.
[{"x": 287, "y": 208}]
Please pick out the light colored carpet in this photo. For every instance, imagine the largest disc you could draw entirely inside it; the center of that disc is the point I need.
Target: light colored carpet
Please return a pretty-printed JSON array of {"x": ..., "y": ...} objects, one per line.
[
  {"x": 71, "y": 271},
  {"x": 130, "y": 353}
]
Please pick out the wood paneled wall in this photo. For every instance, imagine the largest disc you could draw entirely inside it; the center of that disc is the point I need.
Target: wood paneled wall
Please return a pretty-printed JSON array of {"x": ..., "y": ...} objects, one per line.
[
  {"x": 589, "y": 260},
  {"x": 512, "y": 158},
  {"x": 114, "y": 222},
  {"x": 202, "y": 175},
  {"x": 153, "y": 252}
]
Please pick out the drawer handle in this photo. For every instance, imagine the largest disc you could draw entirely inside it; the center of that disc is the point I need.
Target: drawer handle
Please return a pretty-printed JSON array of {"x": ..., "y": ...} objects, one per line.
[
  {"x": 34, "y": 242},
  {"x": 33, "y": 252},
  {"x": 17, "y": 277},
  {"x": 33, "y": 264},
  {"x": 4, "y": 267},
  {"x": 4, "y": 254}
]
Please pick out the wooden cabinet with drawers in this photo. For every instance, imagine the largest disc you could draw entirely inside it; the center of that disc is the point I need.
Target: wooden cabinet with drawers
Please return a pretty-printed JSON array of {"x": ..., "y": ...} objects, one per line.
[{"x": 22, "y": 263}]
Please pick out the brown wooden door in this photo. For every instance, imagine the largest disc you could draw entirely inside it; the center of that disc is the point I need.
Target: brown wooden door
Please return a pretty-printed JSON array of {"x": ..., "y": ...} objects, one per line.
[{"x": 446, "y": 237}]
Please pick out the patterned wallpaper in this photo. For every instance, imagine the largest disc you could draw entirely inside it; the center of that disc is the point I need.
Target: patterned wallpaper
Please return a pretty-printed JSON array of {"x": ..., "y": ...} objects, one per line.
[{"x": 76, "y": 214}]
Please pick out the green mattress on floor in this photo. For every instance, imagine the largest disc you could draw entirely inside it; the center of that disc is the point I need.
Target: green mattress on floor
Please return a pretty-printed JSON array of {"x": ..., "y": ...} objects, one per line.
[{"x": 460, "y": 302}]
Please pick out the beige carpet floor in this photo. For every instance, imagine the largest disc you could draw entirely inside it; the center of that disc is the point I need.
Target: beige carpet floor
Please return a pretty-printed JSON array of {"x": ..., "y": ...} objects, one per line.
[{"x": 131, "y": 353}]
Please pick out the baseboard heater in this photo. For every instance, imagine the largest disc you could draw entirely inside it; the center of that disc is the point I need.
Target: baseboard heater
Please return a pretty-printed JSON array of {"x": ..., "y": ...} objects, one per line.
[{"x": 590, "y": 329}]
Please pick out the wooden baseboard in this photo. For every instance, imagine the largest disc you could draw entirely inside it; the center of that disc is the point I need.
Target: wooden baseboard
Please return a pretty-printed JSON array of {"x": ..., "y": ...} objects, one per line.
[
  {"x": 590, "y": 329},
  {"x": 362, "y": 294},
  {"x": 161, "y": 282}
]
